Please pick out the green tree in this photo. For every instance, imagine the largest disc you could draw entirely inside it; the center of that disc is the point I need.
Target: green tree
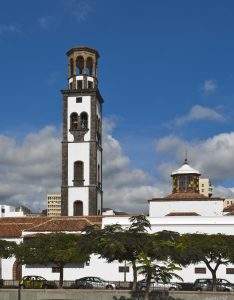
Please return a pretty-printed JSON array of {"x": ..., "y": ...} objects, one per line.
[
  {"x": 214, "y": 250},
  {"x": 7, "y": 249},
  {"x": 152, "y": 270},
  {"x": 55, "y": 248},
  {"x": 116, "y": 243},
  {"x": 157, "y": 258}
]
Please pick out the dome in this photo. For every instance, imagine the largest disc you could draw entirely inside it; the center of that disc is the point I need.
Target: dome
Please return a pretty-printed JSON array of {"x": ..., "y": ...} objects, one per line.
[{"x": 185, "y": 169}]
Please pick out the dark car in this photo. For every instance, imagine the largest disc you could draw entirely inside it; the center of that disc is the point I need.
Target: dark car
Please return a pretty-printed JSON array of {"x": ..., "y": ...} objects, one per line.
[
  {"x": 159, "y": 285},
  {"x": 92, "y": 283},
  {"x": 205, "y": 284},
  {"x": 36, "y": 282}
]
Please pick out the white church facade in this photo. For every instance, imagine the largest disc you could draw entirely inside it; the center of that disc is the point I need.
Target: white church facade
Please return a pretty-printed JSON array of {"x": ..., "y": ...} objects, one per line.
[{"x": 185, "y": 210}]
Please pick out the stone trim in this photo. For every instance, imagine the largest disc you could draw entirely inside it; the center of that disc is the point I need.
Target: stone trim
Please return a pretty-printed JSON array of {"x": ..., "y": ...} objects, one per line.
[
  {"x": 82, "y": 48},
  {"x": 93, "y": 200},
  {"x": 84, "y": 92},
  {"x": 64, "y": 188},
  {"x": 184, "y": 199},
  {"x": 64, "y": 201}
]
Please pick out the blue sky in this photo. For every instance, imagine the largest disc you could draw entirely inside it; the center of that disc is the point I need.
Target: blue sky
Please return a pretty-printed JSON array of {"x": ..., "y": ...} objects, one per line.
[{"x": 166, "y": 69}]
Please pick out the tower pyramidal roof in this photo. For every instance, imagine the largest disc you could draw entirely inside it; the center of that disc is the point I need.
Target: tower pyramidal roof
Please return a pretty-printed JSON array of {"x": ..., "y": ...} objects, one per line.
[{"x": 185, "y": 169}]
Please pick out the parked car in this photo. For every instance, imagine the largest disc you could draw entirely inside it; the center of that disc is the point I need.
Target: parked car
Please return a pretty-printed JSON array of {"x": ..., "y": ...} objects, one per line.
[
  {"x": 36, "y": 282},
  {"x": 205, "y": 284},
  {"x": 92, "y": 283},
  {"x": 159, "y": 285}
]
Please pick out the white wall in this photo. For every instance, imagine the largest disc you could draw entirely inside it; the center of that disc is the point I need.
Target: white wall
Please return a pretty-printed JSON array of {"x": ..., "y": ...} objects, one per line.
[
  {"x": 78, "y": 151},
  {"x": 191, "y": 224},
  {"x": 203, "y": 208},
  {"x": 97, "y": 267},
  {"x": 7, "y": 264},
  {"x": 9, "y": 211},
  {"x": 78, "y": 193},
  {"x": 79, "y": 108}
]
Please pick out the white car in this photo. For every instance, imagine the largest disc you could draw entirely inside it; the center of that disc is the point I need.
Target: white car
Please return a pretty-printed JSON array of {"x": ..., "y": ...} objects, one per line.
[
  {"x": 93, "y": 283},
  {"x": 159, "y": 285}
]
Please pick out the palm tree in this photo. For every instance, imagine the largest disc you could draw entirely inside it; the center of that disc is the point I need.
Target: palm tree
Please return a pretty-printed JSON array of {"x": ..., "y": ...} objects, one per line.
[{"x": 151, "y": 270}]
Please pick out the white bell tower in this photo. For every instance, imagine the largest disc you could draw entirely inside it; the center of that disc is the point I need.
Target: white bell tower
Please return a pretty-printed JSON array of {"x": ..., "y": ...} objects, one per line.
[{"x": 81, "y": 189}]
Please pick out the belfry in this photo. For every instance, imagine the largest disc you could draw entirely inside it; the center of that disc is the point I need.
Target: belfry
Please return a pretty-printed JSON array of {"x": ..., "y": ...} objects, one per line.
[{"x": 81, "y": 191}]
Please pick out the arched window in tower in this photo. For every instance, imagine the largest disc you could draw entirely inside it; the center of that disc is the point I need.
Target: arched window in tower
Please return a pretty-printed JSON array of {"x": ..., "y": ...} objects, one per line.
[
  {"x": 84, "y": 120},
  {"x": 89, "y": 66},
  {"x": 79, "y": 65},
  {"x": 183, "y": 183},
  {"x": 74, "y": 121},
  {"x": 71, "y": 67},
  {"x": 78, "y": 208},
  {"x": 78, "y": 173}
]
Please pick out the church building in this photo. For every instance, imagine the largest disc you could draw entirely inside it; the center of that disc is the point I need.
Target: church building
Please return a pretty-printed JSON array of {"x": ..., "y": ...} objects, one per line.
[
  {"x": 185, "y": 210},
  {"x": 185, "y": 199}
]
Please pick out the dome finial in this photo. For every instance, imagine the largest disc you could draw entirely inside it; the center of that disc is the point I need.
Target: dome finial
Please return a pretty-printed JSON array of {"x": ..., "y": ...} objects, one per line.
[{"x": 186, "y": 157}]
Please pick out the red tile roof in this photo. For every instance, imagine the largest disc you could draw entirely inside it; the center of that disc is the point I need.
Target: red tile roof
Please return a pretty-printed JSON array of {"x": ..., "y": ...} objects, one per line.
[
  {"x": 13, "y": 227},
  {"x": 190, "y": 196},
  {"x": 64, "y": 224},
  {"x": 173, "y": 214}
]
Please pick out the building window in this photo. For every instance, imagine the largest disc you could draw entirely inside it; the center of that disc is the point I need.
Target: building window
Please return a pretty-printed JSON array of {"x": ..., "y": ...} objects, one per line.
[
  {"x": 74, "y": 121},
  {"x": 71, "y": 67},
  {"x": 79, "y": 84},
  {"x": 79, "y": 65},
  {"x": 78, "y": 208},
  {"x": 79, "y": 100},
  {"x": 123, "y": 269},
  {"x": 3, "y": 210},
  {"x": 229, "y": 270},
  {"x": 89, "y": 65},
  {"x": 78, "y": 173},
  {"x": 55, "y": 270},
  {"x": 90, "y": 84},
  {"x": 84, "y": 120},
  {"x": 200, "y": 271}
]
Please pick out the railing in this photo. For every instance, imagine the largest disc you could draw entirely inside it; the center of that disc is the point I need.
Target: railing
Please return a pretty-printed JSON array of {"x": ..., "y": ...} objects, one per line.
[{"x": 69, "y": 284}]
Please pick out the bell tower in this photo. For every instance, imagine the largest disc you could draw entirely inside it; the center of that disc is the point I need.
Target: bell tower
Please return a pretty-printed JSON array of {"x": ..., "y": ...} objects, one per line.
[{"x": 81, "y": 189}]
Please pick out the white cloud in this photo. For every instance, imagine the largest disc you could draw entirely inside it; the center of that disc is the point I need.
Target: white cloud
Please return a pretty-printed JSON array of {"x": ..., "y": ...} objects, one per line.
[
  {"x": 224, "y": 192},
  {"x": 214, "y": 157},
  {"x": 209, "y": 86},
  {"x": 31, "y": 168},
  {"x": 79, "y": 9},
  {"x": 9, "y": 28},
  {"x": 197, "y": 113},
  {"x": 46, "y": 22},
  {"x": 125, "y": 188}
]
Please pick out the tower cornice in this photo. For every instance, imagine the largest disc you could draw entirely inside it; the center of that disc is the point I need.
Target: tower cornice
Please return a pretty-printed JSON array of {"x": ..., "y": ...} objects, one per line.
[
  {"x": 83, "y": 92},
  {"x": 83, "y": 48}
]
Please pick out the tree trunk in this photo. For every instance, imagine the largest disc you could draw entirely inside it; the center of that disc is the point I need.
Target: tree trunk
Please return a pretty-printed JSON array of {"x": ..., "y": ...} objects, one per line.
[
  {"x": 214, "y": 280},
  {"x": 134, "y": 268},
  {"x": 147, "y": 288},
  {"x": 61, "y": 276},
  {"x": 213, "y": 273}
]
